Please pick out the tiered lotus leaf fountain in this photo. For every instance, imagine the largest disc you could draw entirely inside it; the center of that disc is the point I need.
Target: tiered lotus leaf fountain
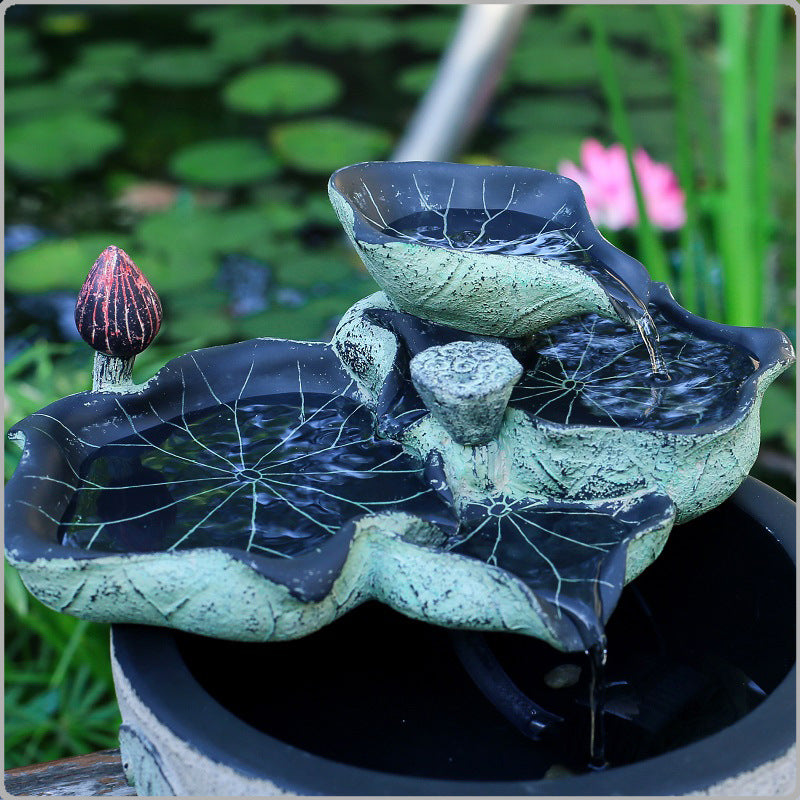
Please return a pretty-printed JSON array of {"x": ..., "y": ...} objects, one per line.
[{"x": 498, "y": 440}]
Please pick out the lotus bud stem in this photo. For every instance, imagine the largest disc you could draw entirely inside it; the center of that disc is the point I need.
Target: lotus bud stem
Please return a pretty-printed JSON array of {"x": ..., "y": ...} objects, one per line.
[
  {"x": 118, "y": 313},
  {"x": 466, "y": 387}
]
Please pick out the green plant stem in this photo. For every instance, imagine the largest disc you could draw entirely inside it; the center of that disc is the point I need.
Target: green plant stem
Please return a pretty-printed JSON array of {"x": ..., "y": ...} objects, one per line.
[
  {"x": 68, "y": 653},
  {"x": 690, "y": 284},
  {"x": 650, "y": 244},
  {"x": 741, "y": 274},
  {"x": 765, "y": 70}
]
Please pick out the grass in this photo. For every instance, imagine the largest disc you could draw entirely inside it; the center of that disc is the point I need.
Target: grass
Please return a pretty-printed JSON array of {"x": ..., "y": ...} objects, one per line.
[
  {"x": 729, "y": 213},
  {"x": 651, "y": 248},
  {"x": 59, "y": 696}
]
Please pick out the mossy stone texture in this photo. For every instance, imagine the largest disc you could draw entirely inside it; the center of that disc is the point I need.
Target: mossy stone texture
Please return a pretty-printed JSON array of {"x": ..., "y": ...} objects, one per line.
[{"x": 466, "y": 386}]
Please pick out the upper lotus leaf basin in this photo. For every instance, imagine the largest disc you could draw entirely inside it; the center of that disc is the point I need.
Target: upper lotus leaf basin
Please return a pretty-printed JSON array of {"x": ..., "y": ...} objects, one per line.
[
  {"x": 259, "y": 490},
  {"x": 503, "y": 251}
]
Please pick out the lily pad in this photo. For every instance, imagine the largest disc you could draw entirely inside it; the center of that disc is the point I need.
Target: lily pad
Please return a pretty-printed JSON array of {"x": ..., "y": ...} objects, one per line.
[
  {"x": 417, "y": 78},
  {"x": 556, "y": 64},
  {"x": 61, "y": 264},
  {"x": 104, "y": 63},
  {"x": 430, "y": 32},
  {"x": 282, "y": 89},
  {"x": 539, "y": 148},
  {"x": 321, "y": 145},
  {"x": 224, "y": 162},
  {"x": 181, "y": 245},
  {"x": 180, "y": 66},
  {"x": 217, "y": 18},
  {"x": 22, "y": 59},
  {"x": 185, "y": 243},
  {"x": 576, "y": 113},
  {"x": 343, "y": 33},
  {"x": 304, "y": 269},
  {"x": 199, "y": 318},
  {"x": 65, "y": 23},
  {"x": 59, "y": 144},
  {"x": 48, "y": 98},
  {"x": 309, "y": 322},
  {"x": 244, "y": 43}
]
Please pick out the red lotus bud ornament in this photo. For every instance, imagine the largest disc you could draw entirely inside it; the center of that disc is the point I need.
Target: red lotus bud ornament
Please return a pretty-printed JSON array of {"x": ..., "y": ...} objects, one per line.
[{"x": 118, "y": 312}]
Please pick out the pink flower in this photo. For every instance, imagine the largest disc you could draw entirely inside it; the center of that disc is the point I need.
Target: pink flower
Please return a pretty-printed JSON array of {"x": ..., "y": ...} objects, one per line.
[{"x": 607, "y": 186}]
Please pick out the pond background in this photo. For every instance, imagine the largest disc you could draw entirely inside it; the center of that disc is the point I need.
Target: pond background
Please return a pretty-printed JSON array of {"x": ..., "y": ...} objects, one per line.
[{"x": 200, "y": 139}]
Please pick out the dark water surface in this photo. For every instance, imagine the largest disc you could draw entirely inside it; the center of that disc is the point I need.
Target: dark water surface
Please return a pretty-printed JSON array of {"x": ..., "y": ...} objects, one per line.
[
  {"x": 276, "y": 476},
  {"x": 595, "y": 371}
]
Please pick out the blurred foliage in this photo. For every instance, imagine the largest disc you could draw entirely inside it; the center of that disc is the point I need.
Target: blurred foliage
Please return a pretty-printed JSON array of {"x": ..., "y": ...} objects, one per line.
[
  {"x": 282, "y": 89},
  {"x": 322, "y": 145},
  {"x": 192, "y": 137},
  {"x": 59, "y": 144},
  {"x": 223, "y": 162}
]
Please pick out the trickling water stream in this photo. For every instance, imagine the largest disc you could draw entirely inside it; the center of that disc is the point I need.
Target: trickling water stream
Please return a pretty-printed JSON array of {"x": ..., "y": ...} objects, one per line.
[{"x": 513, "y": 233}]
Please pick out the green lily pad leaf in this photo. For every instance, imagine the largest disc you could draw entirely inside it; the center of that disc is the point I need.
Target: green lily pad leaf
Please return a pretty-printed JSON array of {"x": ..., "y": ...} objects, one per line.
[
  {"x": 104, "y": 64},
  {"x": 65, "y": 23},
  {"x": 282, "y": 217},
  {"x": 62, "y": 264},
  {"x": 556, "y": 64},
  {"x": 59, "y": 144},
  {"x": 199, "y": 318},
  {"x": 241, "y": 229},
  {"x": 303, "y": 269},
  {"x": 180, "y": 66},
  {"x": 307, "y": 323},
  {"x": 430, "y": 32},
  {"x": 185, "y": 243},
  {"x": 180, "y": 244},
  {"x": 121, "y": 52},
  {"x": 417, "y": 79},
  {"x": 48, "y": 98},
  {"x": 245, "y": 43},
  {"x": 539, "y": 149},
  {"x": 217, "y": 18},
  {"x": 552, "y": 113},
  {"x": 318, "y": 209},
  {"x": 343, "y": 33},
  {"x": 325, "y": 144},
  {"x": 224, "y": 162},
  {"x": 282, "y": 88},
  {"x": 22, "y": 60},
  {"x": 373, "y": 9}
]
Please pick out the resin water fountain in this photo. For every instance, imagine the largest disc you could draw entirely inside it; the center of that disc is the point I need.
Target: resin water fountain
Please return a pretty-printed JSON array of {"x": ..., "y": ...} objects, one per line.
[{"x": 499, "y": 440}]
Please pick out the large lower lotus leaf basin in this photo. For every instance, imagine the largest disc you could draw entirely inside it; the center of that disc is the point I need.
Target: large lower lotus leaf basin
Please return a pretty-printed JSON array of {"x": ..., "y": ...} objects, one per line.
[{"x": 244, "y": 493}]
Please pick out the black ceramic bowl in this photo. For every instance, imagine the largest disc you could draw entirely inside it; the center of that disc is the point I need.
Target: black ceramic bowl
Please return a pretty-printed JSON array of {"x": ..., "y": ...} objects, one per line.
[{"x": 702, "y": 645}]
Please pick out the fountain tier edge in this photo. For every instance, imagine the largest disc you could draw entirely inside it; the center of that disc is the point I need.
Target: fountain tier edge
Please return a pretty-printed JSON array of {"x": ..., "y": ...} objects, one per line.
[
  {"x": 408, "y": 543},
  {"x": 259, "y": 490}
]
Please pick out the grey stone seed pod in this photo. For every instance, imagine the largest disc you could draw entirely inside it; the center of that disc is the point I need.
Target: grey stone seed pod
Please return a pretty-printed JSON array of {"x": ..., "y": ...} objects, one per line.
[{"x": 466, "y": 386}]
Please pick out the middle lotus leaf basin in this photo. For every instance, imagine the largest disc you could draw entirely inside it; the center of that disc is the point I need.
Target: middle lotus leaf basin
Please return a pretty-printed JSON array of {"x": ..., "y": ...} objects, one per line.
[{"x": 259, "y": 490}]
